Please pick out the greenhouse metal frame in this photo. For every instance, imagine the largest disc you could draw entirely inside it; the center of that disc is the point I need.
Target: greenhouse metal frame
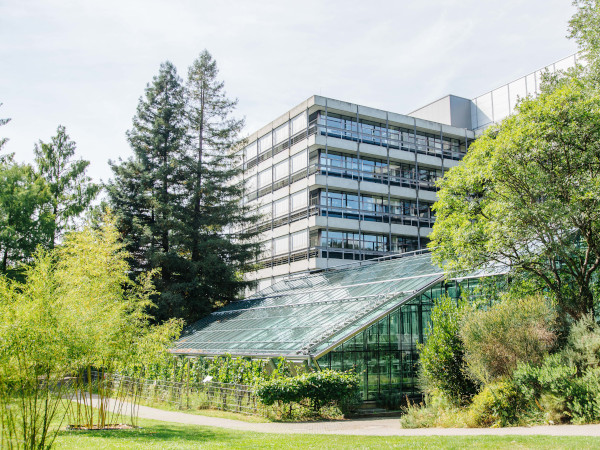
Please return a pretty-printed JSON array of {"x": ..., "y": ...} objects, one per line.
[{"x": 369, "y": 316}]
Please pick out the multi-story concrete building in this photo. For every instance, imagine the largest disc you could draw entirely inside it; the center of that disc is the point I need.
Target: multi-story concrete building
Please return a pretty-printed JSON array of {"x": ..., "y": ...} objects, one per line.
[{"x": 338, "y": 182}]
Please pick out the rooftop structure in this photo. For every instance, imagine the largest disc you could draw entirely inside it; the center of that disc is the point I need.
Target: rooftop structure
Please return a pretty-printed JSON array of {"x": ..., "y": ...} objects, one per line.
[{"x": 493, "y": 106}]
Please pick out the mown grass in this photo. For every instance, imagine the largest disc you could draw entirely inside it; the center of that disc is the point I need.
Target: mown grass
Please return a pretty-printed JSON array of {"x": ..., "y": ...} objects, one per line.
[{"x": 160, "y": 435}]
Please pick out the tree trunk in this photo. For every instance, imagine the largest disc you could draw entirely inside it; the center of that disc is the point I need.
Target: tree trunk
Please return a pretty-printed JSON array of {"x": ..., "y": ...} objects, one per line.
[{"x": 198, "y": 193}]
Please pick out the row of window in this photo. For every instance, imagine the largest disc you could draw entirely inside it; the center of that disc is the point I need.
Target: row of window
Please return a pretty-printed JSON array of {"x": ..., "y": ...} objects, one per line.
[
  {"x": 371, "y": 203},
  {"x": 338, "y": 240},
  {"x": 279, "y": 135},
  {"x": 342, "y": 165},
  {"x": 376, "y": 170},
  {"x": 345, "y": 205},
  {"x": 347, "y": 127},
  {"x": 367, "y": 242}
]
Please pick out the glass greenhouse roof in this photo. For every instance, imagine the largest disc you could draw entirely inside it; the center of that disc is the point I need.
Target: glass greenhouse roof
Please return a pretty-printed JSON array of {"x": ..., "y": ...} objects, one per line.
[{"x": 305, "y": 317}]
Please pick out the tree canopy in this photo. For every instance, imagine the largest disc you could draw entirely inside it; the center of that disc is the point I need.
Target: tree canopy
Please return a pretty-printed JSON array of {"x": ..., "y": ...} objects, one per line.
[
  {"x": 527, "y": 194},
  {"x": 584, "y": 27}
]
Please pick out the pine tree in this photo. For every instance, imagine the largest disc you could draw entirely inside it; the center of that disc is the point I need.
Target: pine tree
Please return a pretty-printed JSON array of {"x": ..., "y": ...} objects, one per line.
[
  {"x": 213, "y": 209},
  {"x": 176, "y": 200},
  {"x": 71, "y": 189},
  {"x": 147, "y": 189}
]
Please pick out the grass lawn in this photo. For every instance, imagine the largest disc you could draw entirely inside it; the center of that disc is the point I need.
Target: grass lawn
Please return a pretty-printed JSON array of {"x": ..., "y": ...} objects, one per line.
[{"x": 161, "y": 435}]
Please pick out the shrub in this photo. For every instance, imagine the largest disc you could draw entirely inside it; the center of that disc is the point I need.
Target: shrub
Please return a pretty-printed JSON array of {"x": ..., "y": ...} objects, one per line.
[
  {"x": 317, "y": 388},
  {"x": 437, "y": 411},
  {"x": 498, "y": 404},
  {"x": 583, "y": 344},
  {"x": 442, "y": 360},
  {"x": 77, "y": 309},
  {"x": 511, "y": 331},
  {"x": 560, "y": 390}
]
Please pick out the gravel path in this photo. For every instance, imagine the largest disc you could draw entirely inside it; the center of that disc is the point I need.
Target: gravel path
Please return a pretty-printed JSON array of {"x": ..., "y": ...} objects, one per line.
[{"x": 365, "y": 427}]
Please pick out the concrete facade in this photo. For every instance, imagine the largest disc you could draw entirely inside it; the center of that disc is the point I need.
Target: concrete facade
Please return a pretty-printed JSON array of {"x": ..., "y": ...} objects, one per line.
[{"x": 338, "y": 182}]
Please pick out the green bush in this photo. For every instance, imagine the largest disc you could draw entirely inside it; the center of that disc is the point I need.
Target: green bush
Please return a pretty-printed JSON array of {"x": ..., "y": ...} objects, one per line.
[
  {"x": 511, "y": 331},
  {"x": 442, "y": 360},
  {"x": 437, "y": 411},
  {"x": 583, "y": 344},
  {"x": 317, "y": 388},
  {"x": 562, "y": 392},
  {"x": 498, "y": 404}
]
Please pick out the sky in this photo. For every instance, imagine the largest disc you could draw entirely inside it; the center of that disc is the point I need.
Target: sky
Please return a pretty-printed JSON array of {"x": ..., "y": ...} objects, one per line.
[{"x": 85, "y": 64}]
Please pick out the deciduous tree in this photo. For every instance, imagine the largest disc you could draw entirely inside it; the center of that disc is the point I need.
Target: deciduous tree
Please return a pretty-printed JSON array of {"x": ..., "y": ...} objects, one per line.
[
  {"x": 527, "y": 194},
  {"x": 26, "y": 220}
]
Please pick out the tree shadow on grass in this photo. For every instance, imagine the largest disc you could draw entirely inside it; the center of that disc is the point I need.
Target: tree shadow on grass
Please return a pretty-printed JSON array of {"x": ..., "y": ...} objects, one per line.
[{"x": 159, "y": 433}]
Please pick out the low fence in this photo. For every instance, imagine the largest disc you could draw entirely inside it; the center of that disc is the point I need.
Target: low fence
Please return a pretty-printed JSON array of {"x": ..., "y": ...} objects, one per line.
[{"x": 210, "y": 395}]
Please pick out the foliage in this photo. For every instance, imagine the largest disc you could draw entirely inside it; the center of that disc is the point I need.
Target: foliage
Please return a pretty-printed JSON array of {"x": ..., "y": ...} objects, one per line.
[
  {"x": 436, "y": 411},
  {"x": 511, "y": 331},
  {"x": 527, "y": 194},
  {"x": 442, "y": 359},
  {"x": 76, "y": 309},
  {"x": 566, "y": 385},
  {"x": 317, "y": 388},
  {"x": 222, "y": 369},
  {"x": 175, "y": 200},
  {"x": 71, "y": 190},
  {"x": 498, "y": 404},
  {"x": 584, "y": 27},
  {"x": 582, "y": 349},
  {"x": 25, "y": 217}
]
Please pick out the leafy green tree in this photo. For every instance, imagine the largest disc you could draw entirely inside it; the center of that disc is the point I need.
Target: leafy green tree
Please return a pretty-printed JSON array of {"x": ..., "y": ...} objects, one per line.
[
  {"x": 26, "y": 220},
  {"x": 442, "y": 357},
  {"x": 527, "y": 194},
  {"x": 71, "y": 189},
  {"x": 77, "y": 308},
  {"x": 584, "y": 27}
]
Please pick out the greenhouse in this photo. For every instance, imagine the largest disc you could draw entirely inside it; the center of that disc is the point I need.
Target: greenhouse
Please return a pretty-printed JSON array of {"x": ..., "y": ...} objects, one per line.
[{"x": 368, "y": 316}]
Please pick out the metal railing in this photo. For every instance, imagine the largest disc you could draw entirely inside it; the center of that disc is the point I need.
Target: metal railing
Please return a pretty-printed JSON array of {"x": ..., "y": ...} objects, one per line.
[{"x": 237, "y": 398}]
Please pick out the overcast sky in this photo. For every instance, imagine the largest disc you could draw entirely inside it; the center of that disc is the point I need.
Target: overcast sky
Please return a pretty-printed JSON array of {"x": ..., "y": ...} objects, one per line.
[{"x": 84, "y": 64}]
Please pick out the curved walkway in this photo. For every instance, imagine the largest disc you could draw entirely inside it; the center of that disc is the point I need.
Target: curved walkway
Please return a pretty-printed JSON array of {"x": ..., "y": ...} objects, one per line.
[{"x": 365, "y": 427}]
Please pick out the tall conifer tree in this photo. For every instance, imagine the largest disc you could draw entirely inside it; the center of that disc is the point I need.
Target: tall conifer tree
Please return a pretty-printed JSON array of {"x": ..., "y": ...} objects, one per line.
[
  {"x": 218, "y": 257},
  {"x": 176, "y": 200},
  {"x": 71, "y": 190},
  {"x": 146, "y": 191}
]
